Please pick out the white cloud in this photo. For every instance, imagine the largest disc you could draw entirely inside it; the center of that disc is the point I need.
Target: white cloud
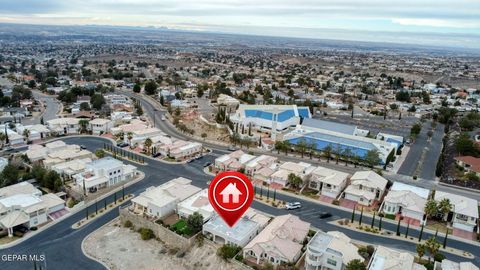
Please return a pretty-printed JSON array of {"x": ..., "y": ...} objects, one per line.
[{"x": 437, "y": 23}]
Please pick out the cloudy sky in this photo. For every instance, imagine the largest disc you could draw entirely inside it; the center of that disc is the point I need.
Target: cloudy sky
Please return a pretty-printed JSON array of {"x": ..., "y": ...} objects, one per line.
[{"x": 453, "y": 22}]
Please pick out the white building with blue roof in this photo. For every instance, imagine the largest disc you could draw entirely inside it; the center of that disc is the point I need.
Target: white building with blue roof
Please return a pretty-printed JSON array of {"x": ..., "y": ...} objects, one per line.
[
  {"x": 270, "y": 117},
  {"x": 339, "y": 136}
]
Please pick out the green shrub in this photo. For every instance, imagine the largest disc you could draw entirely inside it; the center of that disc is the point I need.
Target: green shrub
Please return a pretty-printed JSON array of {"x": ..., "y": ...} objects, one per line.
[
  {"x": 128, "y": 224},
  {"x": 146, "y": 234},
  {"x": 439, "y": 257},
  {"x": 228, "y": 251},
  {"x": 429, "y": 265}
]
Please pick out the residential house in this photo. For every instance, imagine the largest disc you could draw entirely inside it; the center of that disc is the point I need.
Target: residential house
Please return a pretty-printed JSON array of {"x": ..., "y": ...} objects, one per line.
[
  {"x": 406, "y": 202},
  {"x": 329, "y": 182},
  {"x": 102, "y": 173},
  {"x": 464, "y": 214},
  {"x": 280, "y": 241},
  {"x": 469, "y": 164},
  {"x": 366, "y": 188},
  {"x": 331, "y": 250},
  {"x": 388, "y": 259},
  {"x": 234, "y": 161},
  {"x": 196, "y": 203},
  {"x": 65, "y": 126},
  {"x": 23, "y": 204},
  {"x": 36, "y": 132},
  {"x": 246, "y": 228},
  {"x": 68, "y": 169},
  {"x": 161, "y": 201},
  {"x": 258, "y": 163},
  {"x": 446, "y": 264},
  {"x": 301, "y": 169},
  {"x": 100, "y": 126}
]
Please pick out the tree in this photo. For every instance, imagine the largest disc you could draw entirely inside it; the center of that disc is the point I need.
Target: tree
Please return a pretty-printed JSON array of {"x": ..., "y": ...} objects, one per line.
[
  {"x": 195, "y": 221},
  {"x": 84, "y": 106},
  {"x": 327, "y": 152},
  {"x": 3, "y": 138},
  {"x": 420, "y": 249},
  {"x": 97, "y": 101},
  {"x": 431, "y": 208},
  {"x": 444, "y": 206},
  {"x": 129, "y": 138},
  {"x": 204, "y": 135},
  {"x": 301, "y": 146},
  {"x": 279, "y": 146},
  {"x": 83, "y": 125},
  {"x": 465, "y": 146},
  {"x": 228, "y": 251},
  {"x": 415, "y": 130},
  {"x": 372, "y": 158},
  {"x": 294, "y": 180},
  {"x": 26, "y": 134},
  {"x": 432, "y": 246},
  {"x": 347, "y": 155},
  {"x": 100, "y": 153},
  {"x": 286, "y": 146},
  {"x": 148, "y": 143},
  {"x": 151, "y": 88},
  {"x": 355, "y": 264},
  {"x": 136, "y": 88},
  {"x": 9, "y": 175}
]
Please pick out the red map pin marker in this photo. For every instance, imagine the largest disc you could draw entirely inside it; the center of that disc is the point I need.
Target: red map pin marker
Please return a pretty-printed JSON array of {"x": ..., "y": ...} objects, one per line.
[{"x": 230, "y": 193}]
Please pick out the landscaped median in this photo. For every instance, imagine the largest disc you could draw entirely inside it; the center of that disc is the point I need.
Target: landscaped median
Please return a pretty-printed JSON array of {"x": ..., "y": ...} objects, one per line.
[{"x": 375, "y": 228}]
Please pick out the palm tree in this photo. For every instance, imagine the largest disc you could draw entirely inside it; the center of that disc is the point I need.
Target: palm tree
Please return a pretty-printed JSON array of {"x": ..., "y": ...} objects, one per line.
[
  {"x": 432, "y": 246},
  {"x": 420, "y": 250},
  {"x": 83, "y": 125},
  {"x": 3, "y": 137},
  {"x": 286, "y": 145},
  {"x": 431, "y": 208},
  {"x": 279, "y": 146},
  {"x": 148, "y": 144},
  {"x": 327, "y": 152},
  {"x": 26, "y": 134},
  {"x": 302, "y": 146},
  {"x": 337, "y": 153},
  {"x": 129, "y": 138},
  {"x": 347, "y": 155},
  {"x": 444, "y": 207}
]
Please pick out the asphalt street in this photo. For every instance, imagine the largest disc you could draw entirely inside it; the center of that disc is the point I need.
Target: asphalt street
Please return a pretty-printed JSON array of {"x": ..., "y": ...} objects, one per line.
[
  {"x": 62, "y": 245},
  {"x": 50, "y": 112}
]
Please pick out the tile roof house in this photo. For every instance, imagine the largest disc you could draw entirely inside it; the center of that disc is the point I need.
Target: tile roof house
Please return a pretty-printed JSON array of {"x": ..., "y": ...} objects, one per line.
[
  {"x": 469, "y": 164},
  {"x": 196, "y": 203},
  {"x": 450, "y": 265},
  {"x": 388, "y": 259},
  {"x": 406, "y": 201},
  {"x": 301, "y": 169},
  {"x": 465, "y": 210},
  {"x": 23, "y": 204},
  {"x": 331, "y": 250},
  {"x": 162, "y": 201},
  {"x": 246, "y": 228},
  {"x": 365, "y": 188},
  {"x": 102, "y": 173},
  {"x": 329, "y": 182},
  {"x": 280, "y": 241}
]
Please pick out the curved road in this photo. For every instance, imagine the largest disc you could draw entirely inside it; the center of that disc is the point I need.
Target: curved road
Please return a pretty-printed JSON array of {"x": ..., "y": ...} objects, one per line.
[{"x": 61, "y": 244}]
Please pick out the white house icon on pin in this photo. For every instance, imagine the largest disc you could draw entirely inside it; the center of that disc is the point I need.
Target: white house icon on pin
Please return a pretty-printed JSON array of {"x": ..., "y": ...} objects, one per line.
[{"x": 230, "y": 190}]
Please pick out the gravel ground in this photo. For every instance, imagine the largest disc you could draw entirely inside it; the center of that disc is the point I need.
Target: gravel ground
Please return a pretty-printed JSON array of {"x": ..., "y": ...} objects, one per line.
[{"x": 120, "y": 248}]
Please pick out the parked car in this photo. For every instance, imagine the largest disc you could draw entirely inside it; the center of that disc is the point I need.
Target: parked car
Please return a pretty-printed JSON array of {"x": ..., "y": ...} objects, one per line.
[
  {"x": 83, "y": 147},
  {"x": 232, "y": 148},
  {"x": 207, "y": 164},
  {"x": 122, "y": 144},
  {"x": 156, "y": 155},
  {"x": 293, "y": 205},
  {"x": 324, "y": 215}
]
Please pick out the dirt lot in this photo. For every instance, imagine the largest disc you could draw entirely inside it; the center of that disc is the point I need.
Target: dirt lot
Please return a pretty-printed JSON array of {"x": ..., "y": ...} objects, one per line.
[{"x": 120, "y": 248}]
